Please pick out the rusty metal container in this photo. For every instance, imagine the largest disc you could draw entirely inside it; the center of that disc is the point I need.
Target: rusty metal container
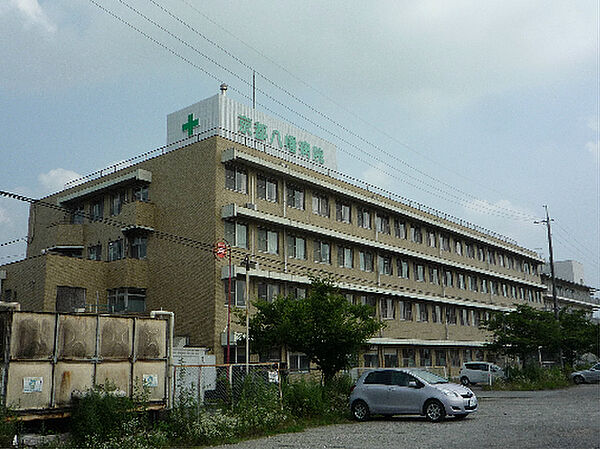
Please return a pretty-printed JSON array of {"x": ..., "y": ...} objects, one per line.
[{"x": 50, "y": 357}]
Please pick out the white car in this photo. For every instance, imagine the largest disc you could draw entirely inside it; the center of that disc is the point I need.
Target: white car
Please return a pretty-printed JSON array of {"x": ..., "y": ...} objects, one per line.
[
  {"x": 396, "y": 391},
  {"x": 479, "y": 373},
  {"x": 587, "y": 375}
]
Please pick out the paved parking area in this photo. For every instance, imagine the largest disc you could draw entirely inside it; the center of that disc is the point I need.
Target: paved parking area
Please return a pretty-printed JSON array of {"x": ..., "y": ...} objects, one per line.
[{"x": 568, "y": 418}]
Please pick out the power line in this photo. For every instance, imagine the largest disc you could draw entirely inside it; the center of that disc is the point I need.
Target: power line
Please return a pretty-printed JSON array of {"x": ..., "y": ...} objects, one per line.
[{"x": 379, "y": 160}]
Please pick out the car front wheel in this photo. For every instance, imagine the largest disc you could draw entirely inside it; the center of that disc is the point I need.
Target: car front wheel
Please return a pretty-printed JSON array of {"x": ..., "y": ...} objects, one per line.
[
  {"x": 434, "y": 410},
  {"x": 465, "y": 381},
  {"x": 578, "y": 380},
  {"x": 360, "y": 410}
]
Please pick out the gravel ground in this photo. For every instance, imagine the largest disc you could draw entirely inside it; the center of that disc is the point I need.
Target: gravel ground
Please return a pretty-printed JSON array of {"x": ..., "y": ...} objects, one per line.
[{"x": 568, "y": 418}]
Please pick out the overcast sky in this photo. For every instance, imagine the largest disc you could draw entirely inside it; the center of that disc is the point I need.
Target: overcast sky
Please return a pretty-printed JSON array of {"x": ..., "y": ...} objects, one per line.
[{"x": 486, "y": 110}]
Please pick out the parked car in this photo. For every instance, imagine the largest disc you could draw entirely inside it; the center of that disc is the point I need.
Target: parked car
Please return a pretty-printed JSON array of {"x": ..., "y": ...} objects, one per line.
[
  {"x": 587, "y": 375},
  {"x": 479, "y": 372},
  {"x": 396, "y": 391}
]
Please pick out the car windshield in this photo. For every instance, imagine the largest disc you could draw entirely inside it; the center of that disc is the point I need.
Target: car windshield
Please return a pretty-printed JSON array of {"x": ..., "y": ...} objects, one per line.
[{"x": 429, "y": 377}]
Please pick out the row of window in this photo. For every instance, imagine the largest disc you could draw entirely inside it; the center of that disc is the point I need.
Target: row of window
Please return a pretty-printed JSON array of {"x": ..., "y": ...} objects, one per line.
[
  {"x": 427, "y": 357},
  {"x": 268, "y": 242},
  {"x": 116, "y": 200},
  {"x": 136, "y": 245},
  {"x": 236, "y": 178}
]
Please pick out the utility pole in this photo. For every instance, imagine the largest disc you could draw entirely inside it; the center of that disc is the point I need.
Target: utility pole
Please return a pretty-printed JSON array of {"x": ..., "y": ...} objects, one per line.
[
  {"x": 547, "y": 222},
  {"x": 254, "y": 89},
  {"x": 247, "y": 302}
]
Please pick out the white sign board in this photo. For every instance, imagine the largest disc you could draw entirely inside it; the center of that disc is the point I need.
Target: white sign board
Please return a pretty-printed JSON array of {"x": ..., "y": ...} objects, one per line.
[
  {"x": 33, "y": 384},
  {"x": 221, "y": 115}
]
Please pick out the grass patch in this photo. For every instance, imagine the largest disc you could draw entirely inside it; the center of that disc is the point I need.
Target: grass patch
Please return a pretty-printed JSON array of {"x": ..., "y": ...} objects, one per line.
[{"x": 532, "y": 379}]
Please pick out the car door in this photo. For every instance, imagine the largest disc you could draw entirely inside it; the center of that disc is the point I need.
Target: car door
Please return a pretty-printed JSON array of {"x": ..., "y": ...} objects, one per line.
[
  {"x": 401, "y": 397},
  {"x": 595, "y": 373},
  {"x": 375, "y": 390}
]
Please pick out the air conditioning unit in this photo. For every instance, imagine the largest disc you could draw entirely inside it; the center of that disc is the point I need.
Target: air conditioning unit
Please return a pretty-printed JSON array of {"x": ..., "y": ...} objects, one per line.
[{"x": 251, "y": 206}]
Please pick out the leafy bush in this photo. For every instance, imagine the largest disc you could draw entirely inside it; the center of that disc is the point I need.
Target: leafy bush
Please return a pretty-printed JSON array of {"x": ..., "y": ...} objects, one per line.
[
  {"x": 308, "y": 398},
  {"x": 532, "y": 378}
]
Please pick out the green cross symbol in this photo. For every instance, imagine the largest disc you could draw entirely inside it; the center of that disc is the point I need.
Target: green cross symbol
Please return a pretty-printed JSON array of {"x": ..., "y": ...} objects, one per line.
[{"x": 190, "y": 125}]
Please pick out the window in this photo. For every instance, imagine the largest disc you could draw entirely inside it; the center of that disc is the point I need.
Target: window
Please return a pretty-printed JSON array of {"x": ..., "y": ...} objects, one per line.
[
  {"x": 513, "y": 291},
  {"x": 403, "y": 268},
  {"x": 415, "y": 234},
  {"x": 138, "y": 247},
  {"x": 382, "y": 224},
  {"x": 349, "y": 298},
  {"x": 405, "y": 310},
  {"x": 470, "y": 250},
  {"x": 299, "y": 362},
  {"x": 422, "y": 312},
  {"x": 440, "y": 357},
  {"x": 504, "y": 290},
  {"x": 296, "y": 247},
  {"x": 369, "y": 301},
  {"x": 116, "y": 202},
  {"x": 434, "y": 277},
  {"x": 525, "y": 267},
  {"x": 530, "y": 295},
  {"x": 454, "y": 357},
  {"x": 436, "y": 314},
  {"x": 266, "y": 188},
  {"x": 295, "y": 197},
  {"x": 445, "y": 243},
  {"x": 458, "y": 247},
  {"x": 492, "y": 257},
  {"x": 365, "y": 260},
  {"x": 472, "y": 283},
  {"x": 467, "y": 355},
  {"x": 236, "y": 179},
  {"x": 448, "y": 278},
  {"x": 384, "y": 264},
  {"x": 419, "y": 272},
  {"x": 267, "y": 291},
  {"x": 391, "y": 360},
  {"x": 237, "y": 353},
  {"x": 95, "y": 252},
  {"x": 363, "y": 218},
  {"x": 127, "y": 299},
  {"x": 408, "y": 357},
  {"x": 236, "y": 234},
  {"x": 68, "y": 299},
  {"x": 322, "y": 252},
  {"x": 77, "y": 214},
  {"x": 238, "y": 292},
  {"x": 140, "y": 193},
  {"x": 115, "y": 250},
  {"x": 387, "y": 309},
  {"x": 400, "y": 229},
  {"x": 464, "y": 317},
  {"x": 431, "y": 239},
  {"x": 343, "y": 212},
  {"x": 481, "y": 253},
  {"x": 476, "y": 318},
  {"x": 425, "y": 357},
  {"x": 450, "y": 314},
  {"x": 460, "y": 281},
  {"x": 268, "y": 241},
  {"x": 510, "y": 262},
  {"x": 501, "y": 260},
  {"x": 345, "y": 257},
  {"x": 320, "y": 204},
  {"x": 494, "y": 287},
  {"x": 484, "y": 286},
  {"x": 297, "y": 292},
  {"x": 97, "y": 210},
  {"x": 371, "y": 361}
]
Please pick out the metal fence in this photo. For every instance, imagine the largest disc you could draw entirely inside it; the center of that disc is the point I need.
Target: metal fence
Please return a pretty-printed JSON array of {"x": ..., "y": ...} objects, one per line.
[
  {"x": 355, "y": 373},
  {"x": 224, "y": 385}
]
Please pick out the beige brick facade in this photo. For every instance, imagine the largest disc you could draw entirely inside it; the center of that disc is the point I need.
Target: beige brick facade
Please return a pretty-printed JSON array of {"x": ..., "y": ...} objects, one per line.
[{"x": 167, "y": 238}]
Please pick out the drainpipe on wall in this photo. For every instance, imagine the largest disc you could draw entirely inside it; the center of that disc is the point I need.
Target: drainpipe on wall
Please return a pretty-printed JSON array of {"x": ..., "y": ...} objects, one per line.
[{"x": 171, "y": 316}]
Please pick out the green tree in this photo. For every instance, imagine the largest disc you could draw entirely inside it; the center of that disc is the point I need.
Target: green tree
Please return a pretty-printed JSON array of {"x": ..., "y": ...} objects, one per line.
[
  {"x": 324, "y": 326},
  {"x": 522, "y": 332},
  {"x": 578, "y": 334}
]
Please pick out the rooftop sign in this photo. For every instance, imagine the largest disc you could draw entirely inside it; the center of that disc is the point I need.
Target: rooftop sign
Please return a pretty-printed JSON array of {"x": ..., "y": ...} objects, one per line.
[{"x": 221, "y": 115}]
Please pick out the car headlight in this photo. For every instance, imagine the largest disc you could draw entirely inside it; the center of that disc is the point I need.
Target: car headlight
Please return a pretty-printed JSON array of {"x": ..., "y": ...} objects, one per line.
[{"x": 450, "y": 393}]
